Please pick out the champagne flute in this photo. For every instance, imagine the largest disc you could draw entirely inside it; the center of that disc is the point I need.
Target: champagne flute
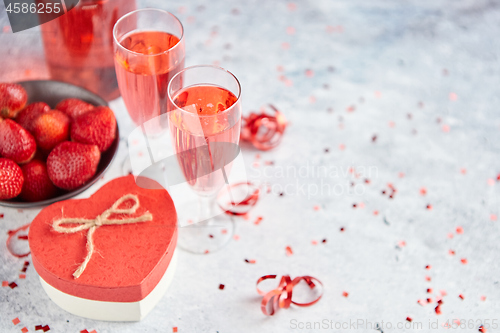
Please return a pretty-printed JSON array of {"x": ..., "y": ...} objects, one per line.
[{"x": 205, "y": 122}]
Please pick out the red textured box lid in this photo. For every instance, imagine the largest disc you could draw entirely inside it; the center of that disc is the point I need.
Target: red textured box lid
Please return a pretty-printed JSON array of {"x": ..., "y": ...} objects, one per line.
[{"x": 129, "y": 259}]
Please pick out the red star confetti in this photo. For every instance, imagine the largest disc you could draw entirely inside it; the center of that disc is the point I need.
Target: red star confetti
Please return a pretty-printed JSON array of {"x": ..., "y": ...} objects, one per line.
[
  {"x": 428, "y": 267},
  {"x": 289, "y": 251},
  {"x": 16, "y": 321},
  {"x": 464, "y": 261},
  {"x": 221, "y": 286},
  {"x": 345, "y": 294},
  {"x": 437, "y": 309},
  {"x": 429, "y": 300},
  {"x": 429, "y": 290}
]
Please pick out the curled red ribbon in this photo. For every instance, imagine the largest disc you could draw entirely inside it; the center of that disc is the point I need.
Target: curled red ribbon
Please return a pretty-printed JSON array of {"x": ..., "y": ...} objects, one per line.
[
  {"x": 11, "y": 234},
  {"x": 273, "y": 298},
  {"x": 263, "y": 130},
  {"x": 232, "y": 205}
]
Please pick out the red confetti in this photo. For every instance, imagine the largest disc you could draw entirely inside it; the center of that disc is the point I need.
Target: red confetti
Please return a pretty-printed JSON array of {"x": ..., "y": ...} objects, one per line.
[
  {"x": 429, "y": 290},
  {"x": 421, "y": 302},
  {"x": 286, "y": 285},
  {"x": 314, "y": 242},
  {"x": 443, "y": 293},
  {"x": 446, "y": 128},
  {"x": 423, "y": 191},
  {"x": 45, "y": 328},
  {"x": 464, "y": 261},
  {"x": 24, "y": 330},
  {"x": 258, "y": 220},
  {"x": 289, "y": 251},
  {"x": 84, "y": 331},
  {"x": 12, "y": 285},
  {"x": 428, "y": 267},
  {"x": 342, "y": 229},
  {"x": 429, "y": 207},
  {"x": 453, "y": 96},
  {"x": 351, "y": 108},
  {"x": 461, "y": 296},
  {"x": 483, "y": 298},
  {"x": 450, "y": 235},
  {"x": 482, "y": 329},
  {"x": 375, "y": 212},
  {"x": 438, "y": 309},
  {"x": 206, "y": 252},
  {"x": 174, "y": 329},
  {"x": 236, "y": 237},
  {"x": 463, "y": 171},
  {"x": 427, "y": 278},
  {"x": 16, "y": 321},
  {"x": 409, "y": 319},
  {"x": 429, "y": 300},
  {"x": 290, "y": 30},
  {"x": 309, "y": 73},
  {"x": 401, "y": 243},
  {"x": 251, "y": 261},
  {"x": 345, "y": 294},
  {"x": 1, "y": 215},
  {"x": 493, "y": 217},
  {"x": 316, "y": 207},
  {"x": 324, "y": 240},
  {"x": 221, "y": 286},
  {"x": 491, "y": 181},
  {"x": 292, "y": 6},
  {"x": 451, "y": 252},
  {"x": 22, "y": 276}
]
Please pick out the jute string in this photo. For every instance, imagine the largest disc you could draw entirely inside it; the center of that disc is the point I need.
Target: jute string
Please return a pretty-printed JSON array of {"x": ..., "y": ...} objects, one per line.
[{"x": 103, "y": 219}]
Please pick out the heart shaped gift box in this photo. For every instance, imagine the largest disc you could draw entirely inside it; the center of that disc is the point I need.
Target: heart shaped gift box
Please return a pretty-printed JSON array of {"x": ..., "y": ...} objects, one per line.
[{"x": 130, "y": 264}]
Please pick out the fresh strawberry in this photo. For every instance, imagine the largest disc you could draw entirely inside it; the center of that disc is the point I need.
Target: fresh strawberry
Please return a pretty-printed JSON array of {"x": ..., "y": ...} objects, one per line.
[
  {"x": 96, "y": 127},
  {"x": 16, "y": 143},
  {"x": 26, "y": 118},
  {"x": 13, "y": 98},
  {"x": 37, "y": 184},
  {"x": 72, "y": 164},
  {"x": 74, "y": 107},
  {"x": 50, "y": 129},
  {"x": 11, "y": 179}
]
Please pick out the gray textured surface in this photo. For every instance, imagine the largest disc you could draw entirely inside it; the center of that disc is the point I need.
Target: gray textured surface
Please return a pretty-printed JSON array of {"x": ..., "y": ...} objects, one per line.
[{"x": 386, "y": 58}]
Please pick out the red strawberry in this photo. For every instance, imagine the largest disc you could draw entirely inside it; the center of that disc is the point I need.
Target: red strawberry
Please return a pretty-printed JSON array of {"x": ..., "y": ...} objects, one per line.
[
  {"x": 50, "y": 129},
  {"x": 26, "y": 118},
  {"x": 72, "y": 164},
  {"x": 16, "y": 143},
  {"x": 37, "y": 185},
  {"x": 13, "y": 98},
  {"x": 11, "y": 179},
  {"x": 96, "y": 127},
  {"x": 74, "y": 107}
]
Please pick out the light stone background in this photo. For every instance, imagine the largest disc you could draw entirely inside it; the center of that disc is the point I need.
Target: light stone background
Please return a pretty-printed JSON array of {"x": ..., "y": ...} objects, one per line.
[{"x": 383, "y": 58}]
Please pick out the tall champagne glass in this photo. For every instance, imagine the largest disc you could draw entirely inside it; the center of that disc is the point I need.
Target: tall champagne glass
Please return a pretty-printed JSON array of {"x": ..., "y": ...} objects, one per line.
[
  {"x": 149, "y": 51},
  {"x": 204, "y": 121}
]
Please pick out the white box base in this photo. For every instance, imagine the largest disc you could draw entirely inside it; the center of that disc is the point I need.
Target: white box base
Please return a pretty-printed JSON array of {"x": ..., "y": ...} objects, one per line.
[{"x": 112, "y": 311}]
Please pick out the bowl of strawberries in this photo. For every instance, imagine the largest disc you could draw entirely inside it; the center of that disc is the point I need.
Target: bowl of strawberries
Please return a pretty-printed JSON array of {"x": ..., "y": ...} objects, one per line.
[{"x": 56, "y": 140}]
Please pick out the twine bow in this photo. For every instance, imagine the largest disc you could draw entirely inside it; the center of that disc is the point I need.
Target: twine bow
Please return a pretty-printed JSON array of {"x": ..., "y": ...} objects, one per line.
[{"x": 103, "y": 219}]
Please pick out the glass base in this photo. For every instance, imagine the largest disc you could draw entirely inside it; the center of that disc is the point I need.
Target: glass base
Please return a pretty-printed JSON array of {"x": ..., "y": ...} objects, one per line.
[{"x": 206, "y": 236}]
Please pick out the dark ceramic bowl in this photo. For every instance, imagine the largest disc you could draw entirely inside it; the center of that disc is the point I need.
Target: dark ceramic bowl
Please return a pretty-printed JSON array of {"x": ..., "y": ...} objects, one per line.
[{"x": 52, "y": 92}]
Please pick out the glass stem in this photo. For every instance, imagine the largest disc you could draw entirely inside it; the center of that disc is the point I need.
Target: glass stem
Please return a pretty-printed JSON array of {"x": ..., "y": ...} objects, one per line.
[{"x": 205, "y": 208}]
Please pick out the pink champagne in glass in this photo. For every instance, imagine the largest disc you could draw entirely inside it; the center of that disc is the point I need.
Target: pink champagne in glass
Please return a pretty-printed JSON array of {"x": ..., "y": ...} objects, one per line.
[{"x": 149, "y": 51}]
